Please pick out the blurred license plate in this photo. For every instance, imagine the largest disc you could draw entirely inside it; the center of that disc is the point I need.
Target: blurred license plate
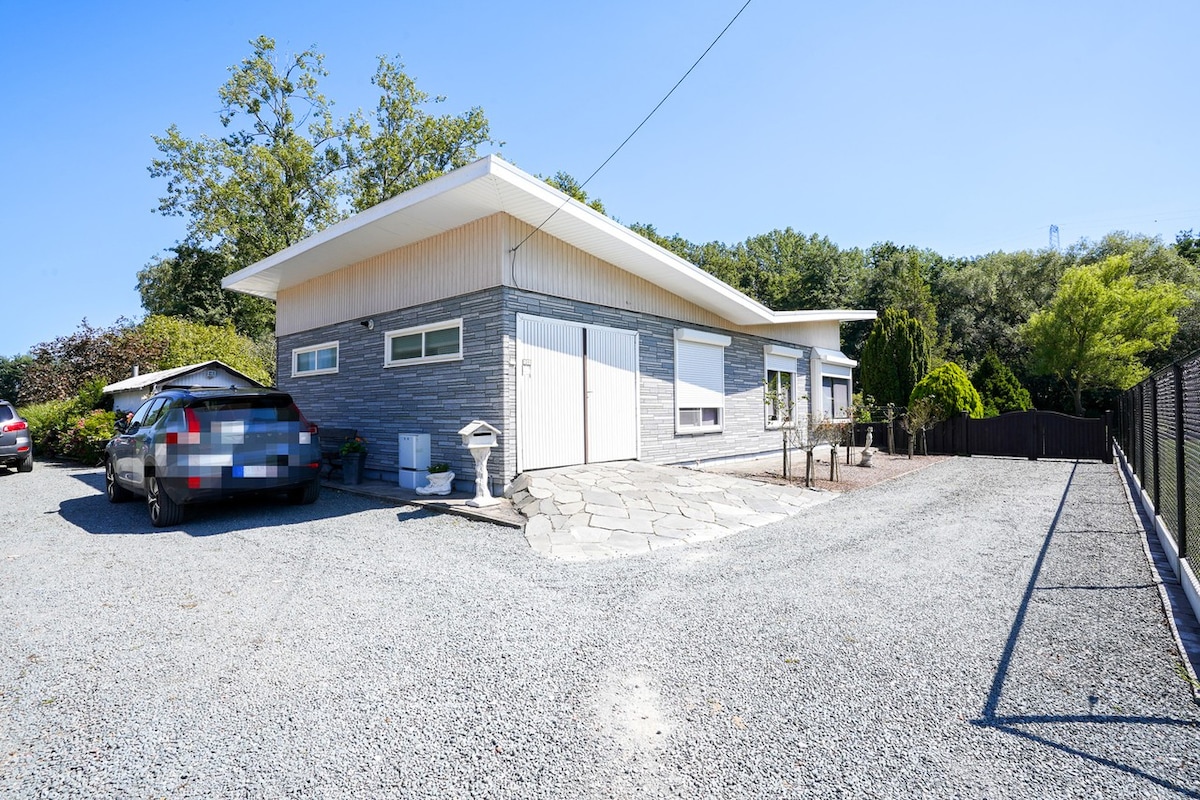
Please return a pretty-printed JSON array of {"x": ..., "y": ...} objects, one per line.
[{"x": 256, "y": 472}]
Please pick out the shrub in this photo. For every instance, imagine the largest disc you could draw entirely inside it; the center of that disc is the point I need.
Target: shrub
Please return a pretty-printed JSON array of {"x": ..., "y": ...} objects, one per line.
[
  {"x": 84, "y": 440},
  {"x": 952, "y": 391},
  {"x": 999, "y": 388},
  {"x": 48, "y": 423}
]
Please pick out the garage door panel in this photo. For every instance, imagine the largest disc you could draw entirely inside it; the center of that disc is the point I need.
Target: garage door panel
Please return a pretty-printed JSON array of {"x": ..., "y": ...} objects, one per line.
[
  {"x": 612, "y": 409},
  {"x": 550, "y": 400}
]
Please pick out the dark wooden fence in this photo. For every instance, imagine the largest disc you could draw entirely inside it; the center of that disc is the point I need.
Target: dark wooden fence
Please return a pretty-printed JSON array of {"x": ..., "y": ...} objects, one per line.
[{"x": 1019, "y": 434}]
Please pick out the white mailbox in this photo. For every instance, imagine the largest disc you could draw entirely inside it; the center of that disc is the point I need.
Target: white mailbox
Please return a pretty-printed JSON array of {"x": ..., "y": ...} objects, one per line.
[
  {"x": 479, "y": 434},
  {"x": 479, "y": 438}
]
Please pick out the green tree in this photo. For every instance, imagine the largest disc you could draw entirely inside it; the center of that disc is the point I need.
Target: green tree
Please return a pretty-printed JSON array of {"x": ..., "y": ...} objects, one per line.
[
  {"x": 276, "y": 176},
  {"x": 408, "y": 145},
  {"x": 1099, "y": 324},
  {"x": 188, "y": 285},
  {"x": 1187, "y": 246},
  {"x": 567, "y": 184},
  {"x": 59, "y": 368},
  {"x": 949, "y": 388},
  {"x": 12, "y": 375},
  {"x": 184, "y": 342},
  {"x": 898, "y": 277},
  {"x": 802, "y": 272},
  {"x": 895, "y": 356},
  {"x": 999, "y": 388}
]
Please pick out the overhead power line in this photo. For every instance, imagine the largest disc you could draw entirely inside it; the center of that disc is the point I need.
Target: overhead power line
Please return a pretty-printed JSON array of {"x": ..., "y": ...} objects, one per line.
[{"x": 640, "y": 124}]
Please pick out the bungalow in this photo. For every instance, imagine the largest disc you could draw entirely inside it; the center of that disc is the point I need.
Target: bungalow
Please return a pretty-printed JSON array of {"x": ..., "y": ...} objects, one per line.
[
  {"x": 487, "y": 294},
  {"x": 129, "y": 393}
]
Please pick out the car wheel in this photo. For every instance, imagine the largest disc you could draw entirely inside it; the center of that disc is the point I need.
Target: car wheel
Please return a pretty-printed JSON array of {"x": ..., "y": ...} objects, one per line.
[
  {"x": 306, "y": 494},
  {"x": 115, "y": 491},
  {"x": 26, "y": 465},
  {"x": 164, "y": 511}
]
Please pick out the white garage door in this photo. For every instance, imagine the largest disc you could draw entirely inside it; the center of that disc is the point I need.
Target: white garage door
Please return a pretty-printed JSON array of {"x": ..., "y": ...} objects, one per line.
[{"x": 576, "y": 393}]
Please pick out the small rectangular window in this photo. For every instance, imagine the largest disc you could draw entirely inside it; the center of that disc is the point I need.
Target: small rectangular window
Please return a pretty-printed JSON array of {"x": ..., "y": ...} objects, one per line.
[
  {"x": 835, "y": 397},
  {"x": 441, "y": 341},
  {"x": 781, "y": 397},
  {"x": 320, "y": 359}
]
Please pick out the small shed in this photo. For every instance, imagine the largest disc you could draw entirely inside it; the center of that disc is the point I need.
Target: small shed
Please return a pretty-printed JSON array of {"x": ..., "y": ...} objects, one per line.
[{"x": 128, "y": 394}]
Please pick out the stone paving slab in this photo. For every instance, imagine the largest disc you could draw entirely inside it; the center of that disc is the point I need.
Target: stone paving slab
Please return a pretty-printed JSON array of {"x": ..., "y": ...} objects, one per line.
[{"x": 627, "y": 508}]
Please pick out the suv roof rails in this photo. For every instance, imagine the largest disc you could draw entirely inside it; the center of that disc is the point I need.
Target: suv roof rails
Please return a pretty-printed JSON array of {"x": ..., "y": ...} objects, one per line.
[{"x": 194, "y": 387}]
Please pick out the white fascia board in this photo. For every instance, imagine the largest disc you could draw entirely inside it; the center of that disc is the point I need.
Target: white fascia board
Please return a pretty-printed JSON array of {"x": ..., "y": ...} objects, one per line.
[{"x": 825, "y": 315}]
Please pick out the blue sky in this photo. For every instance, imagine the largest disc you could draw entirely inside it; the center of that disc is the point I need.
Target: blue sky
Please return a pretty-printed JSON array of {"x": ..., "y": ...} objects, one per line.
[{"x": 962, "y": 127}]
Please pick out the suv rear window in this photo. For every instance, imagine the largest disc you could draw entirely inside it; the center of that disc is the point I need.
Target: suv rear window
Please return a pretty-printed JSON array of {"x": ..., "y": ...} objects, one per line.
[
  {"x": 259, "y": 409},
  {"x": 6, "y": 413}
]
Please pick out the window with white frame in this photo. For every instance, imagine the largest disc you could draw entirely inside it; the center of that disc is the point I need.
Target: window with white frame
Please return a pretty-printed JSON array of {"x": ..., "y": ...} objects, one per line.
[
  {"x": 699, "y": 381},
  {"x": 832, "y": 383},
  {"x": 782, "y": 386},
  {"x": 423, "y": 344},
  {"x": 835, "y": 396},
  {"x": 320, "y": 359}
]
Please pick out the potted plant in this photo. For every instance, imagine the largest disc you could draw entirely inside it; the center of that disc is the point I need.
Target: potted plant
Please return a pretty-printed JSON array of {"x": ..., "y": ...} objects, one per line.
[
  {"x": 440, "y": 478},
  {"x": 354, "y": 454}
]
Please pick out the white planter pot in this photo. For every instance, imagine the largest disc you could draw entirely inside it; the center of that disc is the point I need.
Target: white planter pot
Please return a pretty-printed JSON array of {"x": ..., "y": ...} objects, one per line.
[{"x": 439, "y": 483}]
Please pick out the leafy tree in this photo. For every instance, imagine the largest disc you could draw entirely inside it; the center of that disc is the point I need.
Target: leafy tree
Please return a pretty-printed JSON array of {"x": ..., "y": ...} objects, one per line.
[
  {"x": 567, "y": 184},
  {"x": 408, "y": 145},
  {"x": 59, "y": 368},
  {"x": 898, "y": 278},
  {"x": 185, "y": 342},
  {"x": 1100, "y": 322},
  {"x": 999, "y": 388},
  {"x": 188, "y": 286},
  {"x": 895, "y": 356},
  {"x": 12, "y": 374},
  {"x": 802, "y": 272},
  {"x": 951, "y": 390},
  {"x": 271, "y": 183},
  {"x": 982, "y": 302},
  {"x": 285, "y": 169},
  {"x": 1187, "y": 246}
]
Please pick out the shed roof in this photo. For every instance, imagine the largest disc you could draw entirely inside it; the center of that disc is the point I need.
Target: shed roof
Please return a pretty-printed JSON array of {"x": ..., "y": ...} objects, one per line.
[{"x": 489, "y": 186}]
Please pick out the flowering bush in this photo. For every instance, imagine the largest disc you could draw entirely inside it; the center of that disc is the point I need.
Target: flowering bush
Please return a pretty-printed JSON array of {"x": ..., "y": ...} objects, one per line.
[
  {"x": 85, "y": 439},
  {"x": 355, "y": 445}
]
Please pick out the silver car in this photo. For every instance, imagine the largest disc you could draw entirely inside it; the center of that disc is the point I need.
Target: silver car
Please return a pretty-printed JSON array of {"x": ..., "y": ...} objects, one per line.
[
  {"x": 16, "y": 447},
  {"x": 188, "y": 445}
]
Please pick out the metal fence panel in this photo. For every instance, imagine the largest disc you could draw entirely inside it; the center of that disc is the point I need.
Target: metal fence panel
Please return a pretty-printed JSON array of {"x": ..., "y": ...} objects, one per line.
[{"x": 1168, "y": 506}]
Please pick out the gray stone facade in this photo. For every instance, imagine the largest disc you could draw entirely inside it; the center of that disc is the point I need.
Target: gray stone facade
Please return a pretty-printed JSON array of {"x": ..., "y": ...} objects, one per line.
[{"x": 440, "y": 398}]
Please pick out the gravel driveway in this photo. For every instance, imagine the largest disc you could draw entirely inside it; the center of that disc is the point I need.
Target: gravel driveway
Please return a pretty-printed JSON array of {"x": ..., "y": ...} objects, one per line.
[{"x": 890, "y": 643}]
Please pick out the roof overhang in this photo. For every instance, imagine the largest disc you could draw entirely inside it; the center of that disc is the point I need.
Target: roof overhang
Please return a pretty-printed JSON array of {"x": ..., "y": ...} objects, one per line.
[{"x": 481, "y": 189}]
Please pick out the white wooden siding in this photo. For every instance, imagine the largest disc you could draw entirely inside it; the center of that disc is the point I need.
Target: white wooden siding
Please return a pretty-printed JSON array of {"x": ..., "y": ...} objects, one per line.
[{"x": 460, "y": 261}]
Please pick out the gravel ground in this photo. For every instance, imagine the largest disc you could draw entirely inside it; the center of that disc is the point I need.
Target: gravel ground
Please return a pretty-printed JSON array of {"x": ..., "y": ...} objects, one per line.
[{"x": 890, "y": 644}]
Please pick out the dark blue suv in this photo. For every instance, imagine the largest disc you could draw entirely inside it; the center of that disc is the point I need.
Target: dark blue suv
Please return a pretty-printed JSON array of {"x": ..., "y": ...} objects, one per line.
[{"x": 189, "y": 445}]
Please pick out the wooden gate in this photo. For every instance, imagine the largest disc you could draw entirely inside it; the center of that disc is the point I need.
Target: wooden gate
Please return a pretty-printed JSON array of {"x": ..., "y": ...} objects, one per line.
[{"x": 1018, "y": 434}]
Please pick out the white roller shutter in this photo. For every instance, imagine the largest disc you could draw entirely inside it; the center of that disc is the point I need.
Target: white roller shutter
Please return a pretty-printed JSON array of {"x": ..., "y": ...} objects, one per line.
[{"x": 699, "y": 375}]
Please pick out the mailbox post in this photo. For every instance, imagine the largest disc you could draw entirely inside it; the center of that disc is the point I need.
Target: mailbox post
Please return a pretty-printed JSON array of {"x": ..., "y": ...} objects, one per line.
[{"x": 479, "y": 438}]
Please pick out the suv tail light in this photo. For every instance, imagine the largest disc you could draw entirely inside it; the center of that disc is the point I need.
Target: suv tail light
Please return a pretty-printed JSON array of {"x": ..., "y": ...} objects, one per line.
[
  {"x": 304, "y": 423},
  {"x": 193, "y": 429},
  {"x": 9, "y": 427}
]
